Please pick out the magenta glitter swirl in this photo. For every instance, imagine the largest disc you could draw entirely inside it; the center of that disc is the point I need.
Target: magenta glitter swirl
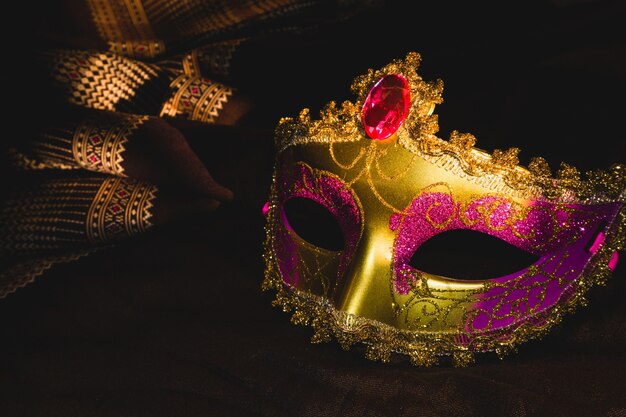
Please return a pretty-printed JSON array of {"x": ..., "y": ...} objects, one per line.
[
  {"x": 328, "y": 191},
  {"x": 561, "y": 234}
]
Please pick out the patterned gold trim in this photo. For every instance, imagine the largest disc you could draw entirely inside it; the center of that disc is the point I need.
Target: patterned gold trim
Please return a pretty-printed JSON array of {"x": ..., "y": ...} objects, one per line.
[
  {"x": 138, "y": 49},
  {"x": 196, "y": 98},
  {"x": 190, "y": 64},
  {"x": 98, "y": 145},
  {"x": 120, "y": 208},
  {"x": 65, "y": 213},
  {"x": 99, "y": 80}
]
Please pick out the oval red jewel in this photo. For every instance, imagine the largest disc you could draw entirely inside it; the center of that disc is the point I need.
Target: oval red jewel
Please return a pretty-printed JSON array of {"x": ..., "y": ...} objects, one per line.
[{"x": 386, "y": 106}]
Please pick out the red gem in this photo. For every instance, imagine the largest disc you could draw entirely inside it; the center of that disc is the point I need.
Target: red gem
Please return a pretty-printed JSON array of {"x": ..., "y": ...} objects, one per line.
[
  {"x": 194, "y": 90},
  {"x": 115, "y": 209},
  {"x": 95, "y": 139},
  {"x": 93, "y": 158},
  {"x": 186, "y": 103},
  {"x": 386, "y": 106},
  {"x": 122, "y": 193}
]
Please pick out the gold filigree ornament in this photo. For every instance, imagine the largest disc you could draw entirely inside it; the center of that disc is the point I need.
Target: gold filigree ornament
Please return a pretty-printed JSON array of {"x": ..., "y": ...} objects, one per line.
[{"x": 378, "y": 167}]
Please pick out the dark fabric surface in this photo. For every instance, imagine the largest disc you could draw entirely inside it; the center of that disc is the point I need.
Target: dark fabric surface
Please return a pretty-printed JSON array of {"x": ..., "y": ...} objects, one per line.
[{"x": 174, "y": 323}]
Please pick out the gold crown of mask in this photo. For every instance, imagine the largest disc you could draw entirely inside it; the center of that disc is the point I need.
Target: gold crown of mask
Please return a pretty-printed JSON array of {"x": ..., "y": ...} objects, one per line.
[{"x": 378, "y": 169}]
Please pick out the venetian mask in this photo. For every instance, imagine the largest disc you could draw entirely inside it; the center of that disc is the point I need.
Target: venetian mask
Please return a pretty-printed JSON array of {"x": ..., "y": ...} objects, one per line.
[{"x": 376, "y": 167}]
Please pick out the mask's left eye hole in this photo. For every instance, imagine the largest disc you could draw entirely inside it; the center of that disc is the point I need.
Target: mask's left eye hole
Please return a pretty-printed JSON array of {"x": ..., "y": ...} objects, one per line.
[
  {"x": 314, "y": 223},
  {"x": 469, "y": 255}
]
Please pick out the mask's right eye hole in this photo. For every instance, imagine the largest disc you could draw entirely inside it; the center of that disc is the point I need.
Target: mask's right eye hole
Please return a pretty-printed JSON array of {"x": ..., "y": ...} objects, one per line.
[
  {"x": 314, "y": 223},
  {"x": 470, "y": 255}
]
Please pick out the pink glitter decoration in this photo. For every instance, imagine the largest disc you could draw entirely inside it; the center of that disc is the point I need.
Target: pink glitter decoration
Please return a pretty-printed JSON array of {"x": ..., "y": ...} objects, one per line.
[
  {"x": 598, "y": 241},
  {"x": 331, "y": 193},
  {"x": 558, "y": 233},
  {"x": 266, "y": 208},
  {"x": 613, "y": 261}
]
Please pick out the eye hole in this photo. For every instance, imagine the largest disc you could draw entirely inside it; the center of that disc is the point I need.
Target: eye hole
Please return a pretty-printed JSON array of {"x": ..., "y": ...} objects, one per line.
[
  {"x": 314, "y": 223},
  {"x": 469, "y": 255}
]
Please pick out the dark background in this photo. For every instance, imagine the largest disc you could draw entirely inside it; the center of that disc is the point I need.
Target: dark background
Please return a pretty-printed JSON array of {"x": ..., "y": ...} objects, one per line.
[{"x": 174, "y": 323}]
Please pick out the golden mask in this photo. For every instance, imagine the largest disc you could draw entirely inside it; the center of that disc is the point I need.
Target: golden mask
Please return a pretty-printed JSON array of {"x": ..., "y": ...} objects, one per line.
[{"x": 378, "y": 169}]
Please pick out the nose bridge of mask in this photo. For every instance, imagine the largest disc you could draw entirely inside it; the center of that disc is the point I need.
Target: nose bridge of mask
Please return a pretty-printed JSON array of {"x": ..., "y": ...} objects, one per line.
[{"x": 366, "y": 285}]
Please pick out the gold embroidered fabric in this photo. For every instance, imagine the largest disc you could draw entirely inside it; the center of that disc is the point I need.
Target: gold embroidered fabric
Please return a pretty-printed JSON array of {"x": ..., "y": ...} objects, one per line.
[
  {"x": 149, "y": 58},
  {"x": 100, "y": 80},
  {"x": 59, "y": 219},
  {"x": 119, "y": 208},
  {"x": 98, "y": 145},
  {"x": 107, "y": 81},
  {"x": 67, "y": 212},
  {"x": 95, "y": 144},
  {"x": 196, "y": 98}
]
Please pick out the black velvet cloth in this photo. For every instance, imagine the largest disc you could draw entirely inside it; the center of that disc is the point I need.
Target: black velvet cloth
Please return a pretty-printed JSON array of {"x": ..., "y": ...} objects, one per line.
[{"x": 173, "y": 323}]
